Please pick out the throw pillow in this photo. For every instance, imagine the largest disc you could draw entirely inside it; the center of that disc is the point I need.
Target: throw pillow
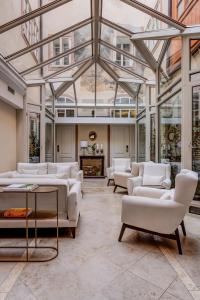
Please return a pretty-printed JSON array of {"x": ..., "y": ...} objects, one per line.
[
  {"x": 64, "y": 171},
  {"x": 152, "y": 180},
  {"x": 29, "y": 171}
]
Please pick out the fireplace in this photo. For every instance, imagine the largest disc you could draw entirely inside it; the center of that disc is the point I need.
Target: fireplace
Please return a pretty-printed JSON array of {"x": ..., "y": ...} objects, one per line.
[{"x": 92, "y": 166}]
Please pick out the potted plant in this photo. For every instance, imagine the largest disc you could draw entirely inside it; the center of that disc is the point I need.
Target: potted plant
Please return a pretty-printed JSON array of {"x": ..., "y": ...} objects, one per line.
[{"x": 93, "y": 148}]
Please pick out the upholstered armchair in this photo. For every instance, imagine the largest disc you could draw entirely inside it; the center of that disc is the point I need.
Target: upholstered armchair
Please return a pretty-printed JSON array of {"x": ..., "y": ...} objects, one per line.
[
  {"x": 121, "y": 177},
  {"x": 160, "y": 212},
  {"x": 154, "y": 175},
  {"x": 118, "y": 164}
]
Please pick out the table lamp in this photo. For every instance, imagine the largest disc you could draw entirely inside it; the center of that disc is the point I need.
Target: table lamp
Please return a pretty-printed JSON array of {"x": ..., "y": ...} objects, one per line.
[{"x": 83, "y": 146}]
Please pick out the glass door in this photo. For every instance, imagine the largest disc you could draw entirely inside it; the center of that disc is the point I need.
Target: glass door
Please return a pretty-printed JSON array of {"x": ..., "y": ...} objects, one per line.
[
  {"x": 196, "y": 131},
  {"x": 141, "y": 141}
]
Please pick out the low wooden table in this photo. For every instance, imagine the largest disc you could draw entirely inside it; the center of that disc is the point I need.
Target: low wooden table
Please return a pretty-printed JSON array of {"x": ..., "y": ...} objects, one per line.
[{"x": 39, "y": 190}]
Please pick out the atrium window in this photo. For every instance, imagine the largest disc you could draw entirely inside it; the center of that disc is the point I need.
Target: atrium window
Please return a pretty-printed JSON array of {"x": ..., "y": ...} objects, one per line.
[
  {"x": 170, "y": 131},
  {"x": 59, "y": 46},
  {"x": 123, "y": 44},
  {"x": 61, "y": 113}
]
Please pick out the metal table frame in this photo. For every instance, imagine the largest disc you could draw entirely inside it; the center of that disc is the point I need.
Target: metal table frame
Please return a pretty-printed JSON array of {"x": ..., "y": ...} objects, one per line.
[{"x": 39, "y": 190}]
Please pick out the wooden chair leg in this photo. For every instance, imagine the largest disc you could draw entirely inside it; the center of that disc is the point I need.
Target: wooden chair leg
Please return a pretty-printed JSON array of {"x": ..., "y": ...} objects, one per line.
[
  {"x": 122, "y": 232},
  {"x": 115, "y": 189},
  {"x": 178, "y": 241},
  {"x": 183, "y": 228},
  {"x": 108, "y": 183},
  {"x": 73, "y": 232}
]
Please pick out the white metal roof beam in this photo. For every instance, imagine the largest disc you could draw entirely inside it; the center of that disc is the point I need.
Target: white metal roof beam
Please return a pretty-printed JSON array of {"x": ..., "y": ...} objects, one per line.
[
  {"x": 33, "y": 14},
  {"x": 156, "y": 34},
  {"x": 146, "y": 54},
  {"x": 96, "y": 9},
  {"x": 54, "y": 58},
  {"x": 47, "y": 40},
  {"x": 61, "y": 89},
  {"x": 166, "y": 33},
  {"x": 155, "y": 14}
]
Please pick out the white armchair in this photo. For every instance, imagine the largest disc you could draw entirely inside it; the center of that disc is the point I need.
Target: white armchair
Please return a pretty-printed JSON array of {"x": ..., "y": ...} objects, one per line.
[
  {"x": 154, "y": 175},
  {"x": 160, "y": 212},
  {"x": 121, "y": 178},
  {"x": 118, "y": 164}
]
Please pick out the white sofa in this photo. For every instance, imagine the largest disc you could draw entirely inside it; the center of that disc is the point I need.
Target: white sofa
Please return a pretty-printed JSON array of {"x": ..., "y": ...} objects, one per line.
[
  {"x": 69, "y": 194},
  {"x": 159, "y": 211},
  {"x": 118, "y": 165},
  {"x": 47, "y": 170}
]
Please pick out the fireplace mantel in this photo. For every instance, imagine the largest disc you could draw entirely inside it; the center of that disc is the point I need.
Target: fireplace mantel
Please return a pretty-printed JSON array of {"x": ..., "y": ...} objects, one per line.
[{"x": 92, "y": 166}]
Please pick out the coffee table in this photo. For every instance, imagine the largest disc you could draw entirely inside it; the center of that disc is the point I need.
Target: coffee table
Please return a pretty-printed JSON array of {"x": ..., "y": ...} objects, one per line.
[{"x": 39, "y": 190}]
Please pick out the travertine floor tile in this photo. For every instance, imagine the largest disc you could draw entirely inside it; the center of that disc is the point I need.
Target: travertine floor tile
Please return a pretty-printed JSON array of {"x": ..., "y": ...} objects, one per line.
[{"x": 95, "y": 266}]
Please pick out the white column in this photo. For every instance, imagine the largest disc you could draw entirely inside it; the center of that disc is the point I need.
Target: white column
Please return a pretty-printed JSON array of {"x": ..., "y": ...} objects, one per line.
[
  {"x": 186, "y": 109},
  {"x": 148, "y": 127},
  {"x": 42, "y": 123},
  {"x": 157, "y": 117}
]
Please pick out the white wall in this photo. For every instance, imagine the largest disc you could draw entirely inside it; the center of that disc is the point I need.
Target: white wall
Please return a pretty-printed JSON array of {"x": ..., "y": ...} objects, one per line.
[{"x": 7, "y": 137}]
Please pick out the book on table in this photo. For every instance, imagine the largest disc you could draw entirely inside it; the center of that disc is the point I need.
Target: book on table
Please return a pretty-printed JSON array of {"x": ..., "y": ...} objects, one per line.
[
  {"x": 17, "y": 212},
  {"x": 20, "y": 187}
]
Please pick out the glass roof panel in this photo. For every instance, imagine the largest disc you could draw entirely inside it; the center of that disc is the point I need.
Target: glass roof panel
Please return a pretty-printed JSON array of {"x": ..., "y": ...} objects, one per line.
[
  {"x": 119, "y": 40},
  {"x": 82, "y": 35},
  {"x": 171, "y": 63},
  {"x": 15, "y": 10},
  {"x": 124, "y": 99},
  {"x": 141, "y": 102},
  {"x": 134, "y": 87},
  {"x": 60, "y": 72},
  {"x": 129, "y": 17},
  {"x": 155, "y": 46},
  {"x": 66, "y": 15},
  {"x": 105, "y": 88},
  {"x": 85, "y": 87},
  {"x": 67, "y": 99},
  {"x": 122, "y": 61},
  {"x": 123, "y": 74},
  {"x": 186, "y": 12}
]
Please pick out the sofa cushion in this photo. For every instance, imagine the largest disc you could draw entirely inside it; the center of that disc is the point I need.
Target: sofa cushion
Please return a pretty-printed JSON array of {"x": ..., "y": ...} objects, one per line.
[
  {"x": 52, "y": 168},
  {"x": 40, "y": 167},
  {"x": 155, "y": 169},
  {"x": 121, "y": 164},
  {"x": 29, "y": 172},
  {"x": 64, "y": 171},
  {"x": 152, "y": 180},
  {"x": 19, "y": 175},
  {"x": 142, "y": 165}
]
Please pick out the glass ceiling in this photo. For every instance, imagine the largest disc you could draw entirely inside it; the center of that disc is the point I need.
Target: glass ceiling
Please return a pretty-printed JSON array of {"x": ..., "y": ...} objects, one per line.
[{"x": 90, "y": 46}]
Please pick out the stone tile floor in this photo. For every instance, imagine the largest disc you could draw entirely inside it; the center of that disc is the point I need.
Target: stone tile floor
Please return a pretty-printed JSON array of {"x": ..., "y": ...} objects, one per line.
[{"x": 95, "y": 266}]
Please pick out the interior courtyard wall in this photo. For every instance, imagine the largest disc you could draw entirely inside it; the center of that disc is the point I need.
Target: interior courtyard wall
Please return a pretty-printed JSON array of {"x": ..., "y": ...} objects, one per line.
[
  {"x": 102, "y": 138},
  {"x": 7, "y": 137}
]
